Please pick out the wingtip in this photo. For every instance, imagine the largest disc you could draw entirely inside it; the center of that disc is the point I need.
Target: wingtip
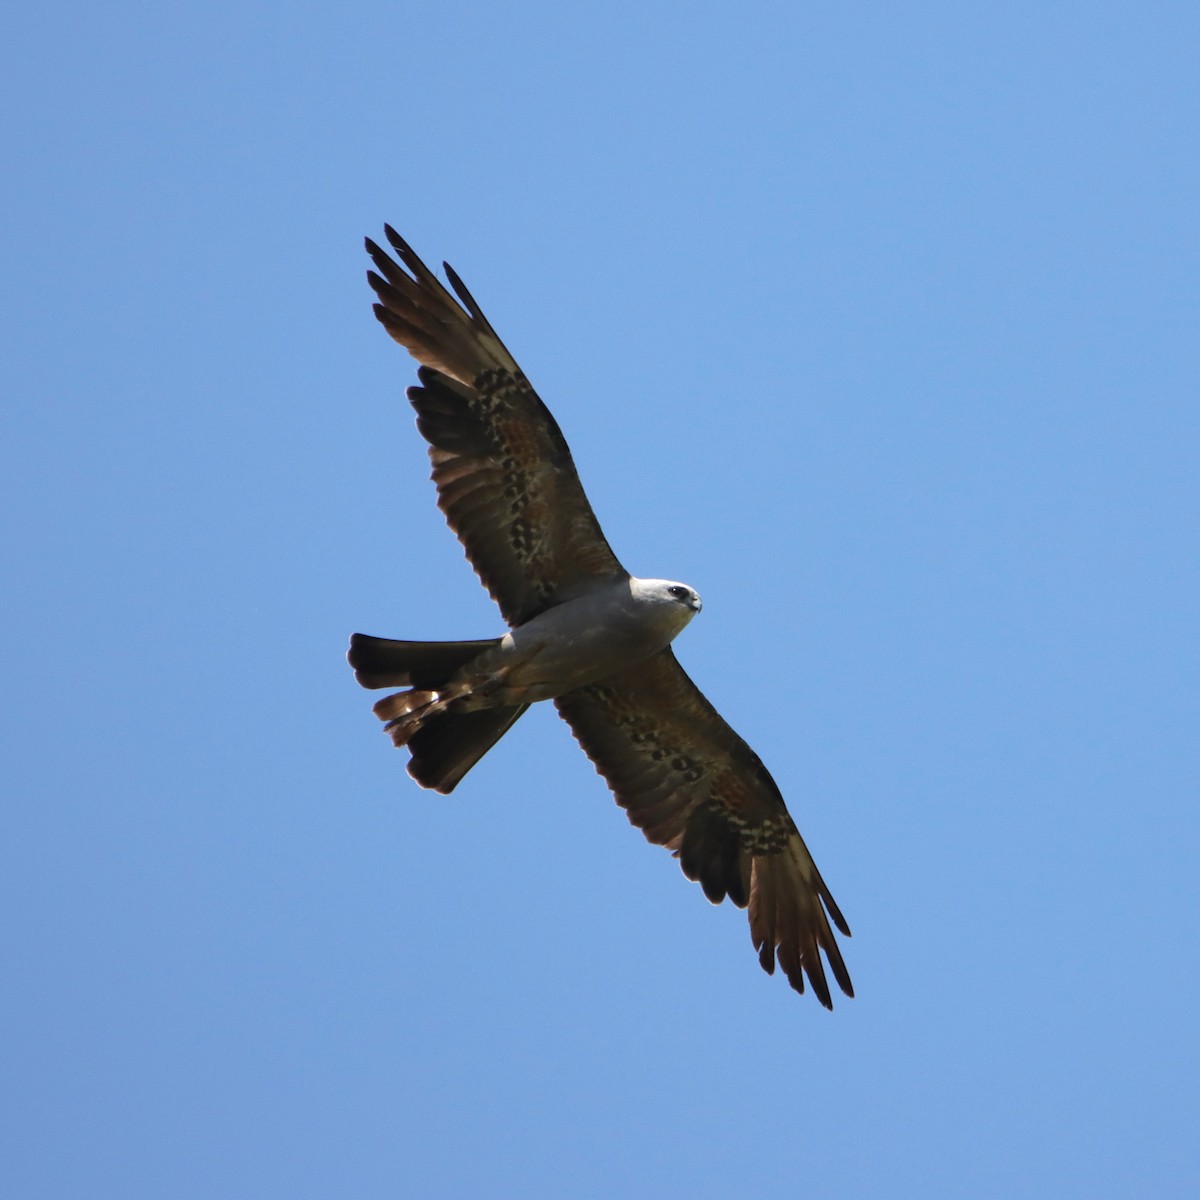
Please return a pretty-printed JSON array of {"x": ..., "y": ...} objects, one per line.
[
  {"x": 397, "y": 242},
  {"x": 380, "y": 257},
  {"x": 466, "y": 299},
  {"x": 816, "y": 980}
]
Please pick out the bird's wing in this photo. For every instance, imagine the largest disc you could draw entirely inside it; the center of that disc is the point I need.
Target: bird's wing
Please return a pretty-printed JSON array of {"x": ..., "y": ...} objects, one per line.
[
  {"x": 504, "y": 473},
  {"x": 689, "y": 783}
]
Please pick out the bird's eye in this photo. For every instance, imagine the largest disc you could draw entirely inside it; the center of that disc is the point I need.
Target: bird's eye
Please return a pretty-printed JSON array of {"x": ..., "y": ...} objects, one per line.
[{"x": 680, "y": 593}]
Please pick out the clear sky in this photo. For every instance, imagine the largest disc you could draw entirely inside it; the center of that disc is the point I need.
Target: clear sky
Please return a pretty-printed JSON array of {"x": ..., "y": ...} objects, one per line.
[{"x": 876, "y": 323}]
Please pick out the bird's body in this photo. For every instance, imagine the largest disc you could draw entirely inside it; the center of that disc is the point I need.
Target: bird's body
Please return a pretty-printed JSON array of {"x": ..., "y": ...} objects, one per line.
[
  {"x": 565, "y": 647},
  {"x": 585, "y": 639},
  {"x": 583, "y": 633}
]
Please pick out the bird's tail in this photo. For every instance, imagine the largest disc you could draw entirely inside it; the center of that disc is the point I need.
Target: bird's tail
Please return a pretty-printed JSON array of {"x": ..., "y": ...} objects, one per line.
[{"x": 445, "y": 744}]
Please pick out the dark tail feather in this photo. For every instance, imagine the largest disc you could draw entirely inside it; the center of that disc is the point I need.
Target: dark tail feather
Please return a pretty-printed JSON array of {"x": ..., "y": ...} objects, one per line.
[
  {"x": 449, "y": 744},
  {"x": 444, "y": 744},
  {"x": 385, "y": 662}
]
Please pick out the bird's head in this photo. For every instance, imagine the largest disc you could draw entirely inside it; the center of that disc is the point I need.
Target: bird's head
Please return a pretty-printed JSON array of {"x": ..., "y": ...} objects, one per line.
[{"x": 676, "y": 603}]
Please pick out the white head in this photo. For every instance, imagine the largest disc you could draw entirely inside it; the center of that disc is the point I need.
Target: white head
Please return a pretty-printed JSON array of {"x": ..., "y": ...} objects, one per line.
[{"x": 675, "y": 603}]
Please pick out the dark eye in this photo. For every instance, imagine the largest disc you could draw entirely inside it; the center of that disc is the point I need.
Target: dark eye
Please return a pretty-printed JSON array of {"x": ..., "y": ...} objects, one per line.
[{"x": 680, "y": 593}]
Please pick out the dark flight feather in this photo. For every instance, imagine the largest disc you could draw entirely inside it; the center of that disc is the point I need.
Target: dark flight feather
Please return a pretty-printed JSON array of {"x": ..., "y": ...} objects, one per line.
[
  {"x": 505, "y": 477},
  {"x": 690, "y": 783}
]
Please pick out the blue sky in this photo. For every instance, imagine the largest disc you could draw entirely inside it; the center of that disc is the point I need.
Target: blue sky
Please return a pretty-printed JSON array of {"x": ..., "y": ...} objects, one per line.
[{"x": 876, "y": 324}]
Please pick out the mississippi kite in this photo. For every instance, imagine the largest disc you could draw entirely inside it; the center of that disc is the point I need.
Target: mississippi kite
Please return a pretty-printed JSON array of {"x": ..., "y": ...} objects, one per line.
[{"x": 583, "y": 632}]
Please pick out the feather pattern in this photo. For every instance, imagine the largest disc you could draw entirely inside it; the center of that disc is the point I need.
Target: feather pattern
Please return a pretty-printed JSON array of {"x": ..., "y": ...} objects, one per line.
[
  {"x": 690, "y": 783},
  {"x": 504, "y": 473}
]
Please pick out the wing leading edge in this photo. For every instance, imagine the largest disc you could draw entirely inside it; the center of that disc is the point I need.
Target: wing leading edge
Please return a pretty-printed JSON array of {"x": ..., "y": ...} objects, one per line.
[
  {"x": 504, "y": 473},
  {"x": 690, "y": 783}
]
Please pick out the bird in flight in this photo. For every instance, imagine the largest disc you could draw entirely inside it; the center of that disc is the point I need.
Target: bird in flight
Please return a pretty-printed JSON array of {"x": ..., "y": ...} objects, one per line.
[{"x": 583, "y": 633}]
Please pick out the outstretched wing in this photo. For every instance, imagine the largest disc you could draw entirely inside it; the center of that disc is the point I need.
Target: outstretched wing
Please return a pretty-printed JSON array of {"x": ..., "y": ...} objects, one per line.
[
  {"x": 504, "y": 474},
  {"x": 689, "y": 783}
]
